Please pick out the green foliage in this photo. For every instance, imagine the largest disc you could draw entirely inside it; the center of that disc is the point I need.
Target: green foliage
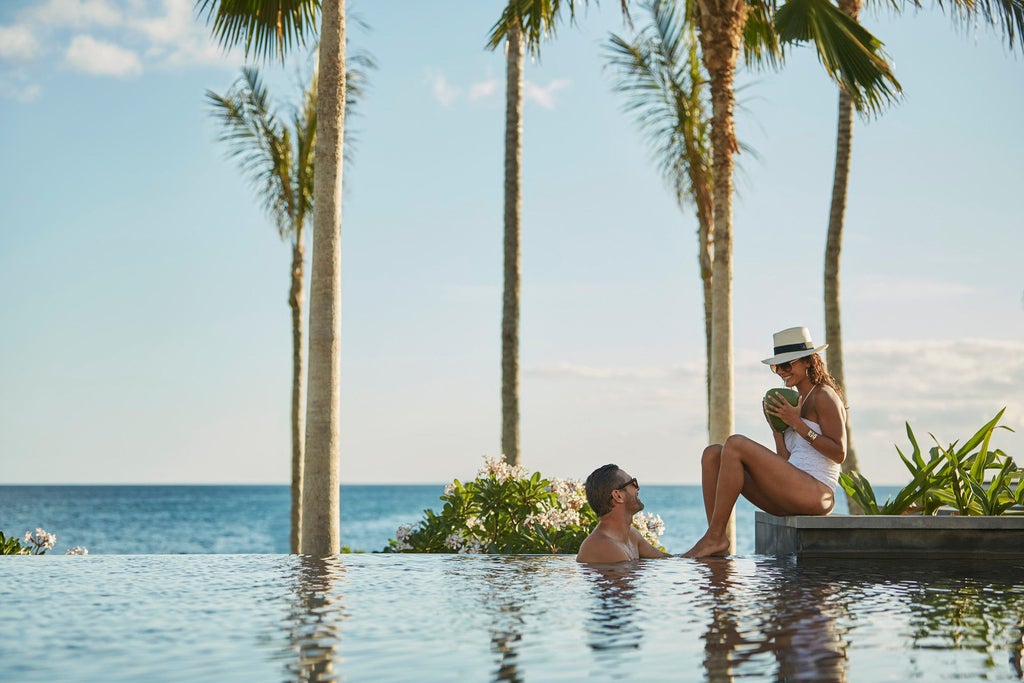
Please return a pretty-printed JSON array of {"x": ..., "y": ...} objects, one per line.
[
  {"x": 11, "y": 546},
  {"x": 953, "y": 476},
  {"x": 507, "y": 510},
  {"x": 34, "y": 543}
]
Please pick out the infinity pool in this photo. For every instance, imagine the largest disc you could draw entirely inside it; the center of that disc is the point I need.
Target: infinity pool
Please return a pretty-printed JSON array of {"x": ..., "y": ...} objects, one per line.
[{"x": 479, "y": 618}]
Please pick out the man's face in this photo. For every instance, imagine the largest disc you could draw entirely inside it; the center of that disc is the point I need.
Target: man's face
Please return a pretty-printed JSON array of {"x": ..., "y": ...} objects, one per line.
[{"x": 630, "y": 489}]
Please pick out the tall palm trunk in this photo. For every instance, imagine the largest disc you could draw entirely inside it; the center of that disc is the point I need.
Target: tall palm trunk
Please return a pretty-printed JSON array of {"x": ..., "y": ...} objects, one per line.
[
  {"x": 833, "y": 248},
  {"x": 513, "y": 200},
  {"x": 704, "y": 194},
  {"x": 321, "y": 504},
  {"x": 295, "y": 300},
  {"x": 721, "y": 30}
]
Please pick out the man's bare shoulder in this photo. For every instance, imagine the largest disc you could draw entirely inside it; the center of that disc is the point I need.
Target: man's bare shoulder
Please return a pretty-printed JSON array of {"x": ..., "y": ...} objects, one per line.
[{"x": 599, "y": 548}]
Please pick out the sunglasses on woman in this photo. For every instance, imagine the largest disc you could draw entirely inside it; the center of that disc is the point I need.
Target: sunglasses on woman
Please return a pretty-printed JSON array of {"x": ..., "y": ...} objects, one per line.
[{"x": 784, "y": 367}]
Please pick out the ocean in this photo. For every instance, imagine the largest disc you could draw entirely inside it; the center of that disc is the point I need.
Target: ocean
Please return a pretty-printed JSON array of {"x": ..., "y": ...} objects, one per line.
[{"x": 140, "y": 520}]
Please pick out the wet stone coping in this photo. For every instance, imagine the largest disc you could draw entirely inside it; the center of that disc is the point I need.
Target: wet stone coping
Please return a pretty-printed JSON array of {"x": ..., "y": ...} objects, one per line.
[{"x": 890, "y": 536}]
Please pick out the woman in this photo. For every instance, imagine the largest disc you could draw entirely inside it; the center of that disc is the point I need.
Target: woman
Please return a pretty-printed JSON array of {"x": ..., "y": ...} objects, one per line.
[{"x": 800, "y": 477}]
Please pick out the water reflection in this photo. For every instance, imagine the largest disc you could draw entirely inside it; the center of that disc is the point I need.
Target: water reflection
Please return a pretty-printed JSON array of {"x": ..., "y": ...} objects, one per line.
[
  {"x": 504, "y": 593},
  {"x": 611, "y": 624},
  {"x": 970, "y": 612},
  {"x": 315, "y": 620},
  {"x": 972, "y": 608},
  {"x": 774, "y": 613}
]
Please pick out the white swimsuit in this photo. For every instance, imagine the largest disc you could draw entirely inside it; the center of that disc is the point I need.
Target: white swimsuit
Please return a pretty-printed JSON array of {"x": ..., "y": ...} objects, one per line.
[{"x": 803, "y": 455}]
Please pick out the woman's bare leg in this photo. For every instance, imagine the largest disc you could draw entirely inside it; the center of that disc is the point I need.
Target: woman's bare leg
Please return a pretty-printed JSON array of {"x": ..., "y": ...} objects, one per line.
[
  {"x": 710, "y": 463},
  {"x": 772, "y": 483}
]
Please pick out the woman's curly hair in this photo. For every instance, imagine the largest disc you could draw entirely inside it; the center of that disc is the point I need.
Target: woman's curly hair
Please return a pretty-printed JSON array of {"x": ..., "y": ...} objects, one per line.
[{"x": 818, "y": 374}]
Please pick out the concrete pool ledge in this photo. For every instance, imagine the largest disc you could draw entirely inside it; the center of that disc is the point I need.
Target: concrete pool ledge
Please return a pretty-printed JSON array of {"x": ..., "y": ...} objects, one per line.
[{"x": 890, "y": 536}]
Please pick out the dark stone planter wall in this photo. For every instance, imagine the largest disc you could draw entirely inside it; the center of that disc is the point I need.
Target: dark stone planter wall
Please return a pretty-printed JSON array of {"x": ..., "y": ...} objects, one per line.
[{"x": 890, "y": 536}]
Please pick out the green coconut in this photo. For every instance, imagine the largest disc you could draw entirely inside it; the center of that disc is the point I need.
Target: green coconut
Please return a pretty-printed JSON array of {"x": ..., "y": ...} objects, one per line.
[{"x": 791, "y": 395}]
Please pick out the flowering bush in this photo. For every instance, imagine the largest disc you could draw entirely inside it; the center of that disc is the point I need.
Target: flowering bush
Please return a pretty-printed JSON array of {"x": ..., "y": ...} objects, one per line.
[
  {"x": 34, "y": 544},
  {"x": 507, "y": 510}
]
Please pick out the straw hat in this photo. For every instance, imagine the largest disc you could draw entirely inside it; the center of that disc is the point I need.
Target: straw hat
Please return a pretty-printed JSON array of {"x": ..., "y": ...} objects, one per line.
[{"x": 792, "y": 343}]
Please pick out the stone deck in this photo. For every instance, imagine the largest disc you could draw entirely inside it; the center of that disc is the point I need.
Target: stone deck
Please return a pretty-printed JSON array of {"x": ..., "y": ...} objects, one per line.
[{"x": 890, "y": 536}]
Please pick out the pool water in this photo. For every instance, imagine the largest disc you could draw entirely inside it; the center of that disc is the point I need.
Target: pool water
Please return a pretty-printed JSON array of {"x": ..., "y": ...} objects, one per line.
[{"x": 370, "y": 617}]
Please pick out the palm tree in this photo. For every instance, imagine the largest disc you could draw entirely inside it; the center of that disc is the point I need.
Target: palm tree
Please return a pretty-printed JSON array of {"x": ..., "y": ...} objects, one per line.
[
  {"x": 1007, "y": 13},
  {"x": 511, "y": 270},
  {"x": 278, "y": 159},
  {"x": 660, "y": 74},
  {"x": 523, "y": 23},
  {"x": 270, "y": 28},
  {"x": 850, "y": 55}
]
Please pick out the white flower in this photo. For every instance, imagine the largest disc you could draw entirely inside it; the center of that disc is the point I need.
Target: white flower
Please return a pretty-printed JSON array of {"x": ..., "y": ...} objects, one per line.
[
  {"x": 501, "y": 470},
  {"x": 402, "y": 535},
  {"x": 77, "y": 550},
  {"x": 42, "y": 540},
  {"x": 463, "y": 544},
  {"x": 554, "y": 518},
  {"x": 570, "y": 493},
  {"x": 650, "y": 526},
  {"x": 449, "y": 489}
]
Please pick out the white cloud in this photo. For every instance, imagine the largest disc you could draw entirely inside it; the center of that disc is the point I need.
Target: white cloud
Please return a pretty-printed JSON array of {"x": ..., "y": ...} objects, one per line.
[
  {"x": 177, "y": 39},
  {"x": 444, "y": 92},
  {"x": 99, "y": 58},
  {"x": 16, "y": 86},
  {"x": 18, "y": 43},
  {"x": 80, "y": 14},
  {"x": 483, "y": 90},
  {"x": 163, "y": 33},
  {"x": 543, "y": 95}
]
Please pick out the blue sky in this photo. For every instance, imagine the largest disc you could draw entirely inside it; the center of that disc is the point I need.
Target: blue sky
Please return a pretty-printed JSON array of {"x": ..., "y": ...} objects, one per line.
[{"x": 146, "y": 334}]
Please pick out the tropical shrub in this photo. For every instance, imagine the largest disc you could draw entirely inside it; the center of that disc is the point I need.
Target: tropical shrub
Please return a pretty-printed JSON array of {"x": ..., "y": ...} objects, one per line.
[
  {"x": 507, "y": 510},
  {"x": 34, "y": 544},
  {"x": 953, "y": 476}
]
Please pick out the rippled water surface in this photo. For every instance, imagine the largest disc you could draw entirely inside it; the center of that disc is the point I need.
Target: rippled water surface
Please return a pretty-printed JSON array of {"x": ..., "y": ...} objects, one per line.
[{"x": 415, "y": 617}]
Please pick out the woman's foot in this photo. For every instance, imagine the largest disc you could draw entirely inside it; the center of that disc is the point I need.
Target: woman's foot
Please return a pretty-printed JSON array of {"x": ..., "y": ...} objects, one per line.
[{"x": 708, "y": 546}]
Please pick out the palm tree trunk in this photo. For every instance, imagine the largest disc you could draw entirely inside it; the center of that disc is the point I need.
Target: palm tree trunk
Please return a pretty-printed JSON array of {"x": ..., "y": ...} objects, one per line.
[
  {"x": 833, "y": 248},
  {"x": 721, "y": 30},
  {"x": 513, "y": 200},
  {"x": 295, "y": 300},
  {"x": 321, "y": 523},
  {"x": 704, "y": 194}
]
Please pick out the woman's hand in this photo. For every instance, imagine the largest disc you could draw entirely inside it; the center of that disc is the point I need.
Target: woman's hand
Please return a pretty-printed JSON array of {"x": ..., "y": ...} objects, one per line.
[{"x": 781, "y": 408}]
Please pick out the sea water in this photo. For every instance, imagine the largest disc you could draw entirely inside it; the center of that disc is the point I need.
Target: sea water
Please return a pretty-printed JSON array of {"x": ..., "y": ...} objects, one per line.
[{"x": 255, "y": 519}]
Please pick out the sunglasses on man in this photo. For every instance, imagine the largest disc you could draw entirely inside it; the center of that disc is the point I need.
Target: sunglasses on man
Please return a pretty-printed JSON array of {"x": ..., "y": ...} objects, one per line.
[{"x": 628, "y": 484}]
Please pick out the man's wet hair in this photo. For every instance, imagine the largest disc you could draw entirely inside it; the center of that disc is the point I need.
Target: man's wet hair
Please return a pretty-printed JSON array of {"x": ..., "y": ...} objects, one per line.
[{"x": 599, "y": 486}]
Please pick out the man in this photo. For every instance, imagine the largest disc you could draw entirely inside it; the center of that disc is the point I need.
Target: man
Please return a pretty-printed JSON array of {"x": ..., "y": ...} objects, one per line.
[{"x": 615, "y": 497}]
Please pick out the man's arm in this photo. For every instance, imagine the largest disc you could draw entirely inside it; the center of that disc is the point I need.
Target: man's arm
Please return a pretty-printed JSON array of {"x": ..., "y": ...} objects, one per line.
[{"x": 644, "y": 547}]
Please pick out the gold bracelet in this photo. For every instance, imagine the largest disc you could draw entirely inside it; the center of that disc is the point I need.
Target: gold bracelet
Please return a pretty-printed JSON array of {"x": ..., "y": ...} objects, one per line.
[{"x": 811, "y": 436}]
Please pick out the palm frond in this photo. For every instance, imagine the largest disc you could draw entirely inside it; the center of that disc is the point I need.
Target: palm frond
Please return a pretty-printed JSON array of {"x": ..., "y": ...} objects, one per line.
[
  {"x": 761, "y": 46},
  {"x": 267, "y": 29},
  {"x": 260, "y": 144},
  {"x": 661, "y": 76},
  {"x": 1006, "y": 16},
  {"x": 852, "y": 56},
  {"x": 539, "y": 20}
]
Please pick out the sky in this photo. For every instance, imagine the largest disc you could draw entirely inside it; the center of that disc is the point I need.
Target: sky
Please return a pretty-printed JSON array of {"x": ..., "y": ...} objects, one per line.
[{"x": 144, "y": 326}]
